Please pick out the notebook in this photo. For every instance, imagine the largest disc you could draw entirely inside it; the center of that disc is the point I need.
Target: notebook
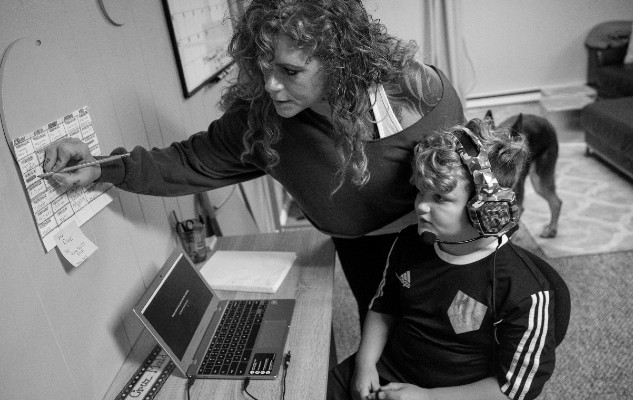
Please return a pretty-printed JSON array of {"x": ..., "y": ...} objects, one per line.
[
  {"x": 250, "y": 271},
  {"x": 187, "y": 318}
]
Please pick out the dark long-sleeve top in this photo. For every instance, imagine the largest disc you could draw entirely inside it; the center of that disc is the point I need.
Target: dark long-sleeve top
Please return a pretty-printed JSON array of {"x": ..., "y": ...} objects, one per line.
[{"x": 307, "y": 166}]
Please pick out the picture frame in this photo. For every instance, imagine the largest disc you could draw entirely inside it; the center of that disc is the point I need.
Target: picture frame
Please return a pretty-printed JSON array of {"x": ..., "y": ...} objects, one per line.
[{"x": 200, "y": 31}]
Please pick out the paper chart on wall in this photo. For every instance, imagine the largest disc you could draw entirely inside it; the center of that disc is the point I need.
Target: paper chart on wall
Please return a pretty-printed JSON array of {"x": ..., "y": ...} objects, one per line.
[{"x": 53, "y": 208}]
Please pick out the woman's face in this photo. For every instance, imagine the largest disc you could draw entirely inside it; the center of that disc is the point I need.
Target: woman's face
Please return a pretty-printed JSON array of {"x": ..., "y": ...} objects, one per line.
[{"x": 295, "y": 82}]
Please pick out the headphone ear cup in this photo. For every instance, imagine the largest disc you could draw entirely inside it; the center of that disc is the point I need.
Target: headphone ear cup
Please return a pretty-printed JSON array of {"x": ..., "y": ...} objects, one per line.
[{"x": 493, "y": 217}]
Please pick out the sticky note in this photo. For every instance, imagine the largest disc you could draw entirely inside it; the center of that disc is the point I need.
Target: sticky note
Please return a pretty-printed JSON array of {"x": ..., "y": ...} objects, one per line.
[{"x": 73, "y": 244}]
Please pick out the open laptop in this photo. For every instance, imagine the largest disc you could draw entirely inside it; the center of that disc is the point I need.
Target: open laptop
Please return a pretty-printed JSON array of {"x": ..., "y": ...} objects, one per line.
[{"x": 183, "y": 313}]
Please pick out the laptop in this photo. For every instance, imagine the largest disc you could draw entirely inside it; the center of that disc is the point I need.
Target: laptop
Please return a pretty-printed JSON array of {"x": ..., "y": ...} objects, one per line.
[{"x": 210, "y": 338}]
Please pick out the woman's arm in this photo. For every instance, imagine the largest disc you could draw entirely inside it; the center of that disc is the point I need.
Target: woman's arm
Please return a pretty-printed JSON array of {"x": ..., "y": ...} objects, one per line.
[{"x": 415, "y": 94}]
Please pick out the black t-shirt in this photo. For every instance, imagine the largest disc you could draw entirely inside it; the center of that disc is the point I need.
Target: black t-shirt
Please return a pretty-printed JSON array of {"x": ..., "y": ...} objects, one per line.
[{"x": 444, "y": 332}]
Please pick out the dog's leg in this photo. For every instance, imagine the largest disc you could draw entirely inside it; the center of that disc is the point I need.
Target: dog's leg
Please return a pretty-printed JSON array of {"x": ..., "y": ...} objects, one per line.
[
  {"x": 519, "y": 188},
  {"x": 542, "y": 176}
]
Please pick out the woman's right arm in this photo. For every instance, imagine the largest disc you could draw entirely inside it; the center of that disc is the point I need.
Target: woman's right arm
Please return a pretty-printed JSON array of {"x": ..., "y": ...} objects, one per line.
[
  {"x": 58, "y": 154},
  {"x": 204, "y": 161}
]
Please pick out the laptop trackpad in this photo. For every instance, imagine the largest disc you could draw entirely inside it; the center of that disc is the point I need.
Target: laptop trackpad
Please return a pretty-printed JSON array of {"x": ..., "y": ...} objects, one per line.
[{"x": 271, "y": 334}]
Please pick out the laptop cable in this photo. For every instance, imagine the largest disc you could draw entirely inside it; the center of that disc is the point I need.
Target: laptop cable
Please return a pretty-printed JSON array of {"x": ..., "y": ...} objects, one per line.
[
  {"x": 283, "y": 381},
  {"x": 190, "y": 380}
]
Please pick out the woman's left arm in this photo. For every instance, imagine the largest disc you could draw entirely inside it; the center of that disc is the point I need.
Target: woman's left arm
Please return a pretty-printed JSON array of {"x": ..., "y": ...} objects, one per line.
[{"x": 415, "y": 93}]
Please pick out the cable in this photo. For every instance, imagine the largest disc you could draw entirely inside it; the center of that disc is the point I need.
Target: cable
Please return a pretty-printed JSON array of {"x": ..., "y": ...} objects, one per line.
[
  {"x": 283, "y": 381},
  {"x": 246, "y": 382},
  {"x": 190, "y": 381},
  {"x": 226, "y": 199}
]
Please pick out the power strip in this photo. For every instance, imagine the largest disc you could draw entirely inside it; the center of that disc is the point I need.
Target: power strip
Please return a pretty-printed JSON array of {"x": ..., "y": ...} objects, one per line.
[{"x": 149, "y": 377}]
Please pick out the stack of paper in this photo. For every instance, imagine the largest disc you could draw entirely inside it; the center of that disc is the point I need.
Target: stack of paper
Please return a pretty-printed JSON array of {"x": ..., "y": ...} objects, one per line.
[{"x": 247, "y": 271}]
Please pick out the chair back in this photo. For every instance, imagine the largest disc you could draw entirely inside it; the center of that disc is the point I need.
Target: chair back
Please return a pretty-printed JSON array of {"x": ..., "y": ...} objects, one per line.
[{"x": 562, "y": 298}]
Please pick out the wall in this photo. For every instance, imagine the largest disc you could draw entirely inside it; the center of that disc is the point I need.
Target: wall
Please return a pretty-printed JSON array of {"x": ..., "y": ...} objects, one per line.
[
  {"x": 66, "y": 331},
  {"x": 512, "y": 46},
  {"x": 520, "y": 46}
]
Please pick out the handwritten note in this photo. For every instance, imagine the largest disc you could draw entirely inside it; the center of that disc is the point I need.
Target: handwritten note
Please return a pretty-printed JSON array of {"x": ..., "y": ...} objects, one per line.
[{"x": 73, "y": 244}]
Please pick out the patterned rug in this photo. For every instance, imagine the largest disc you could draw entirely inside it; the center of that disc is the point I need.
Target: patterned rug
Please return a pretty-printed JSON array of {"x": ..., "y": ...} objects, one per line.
[{"x": 597, "y": 213}]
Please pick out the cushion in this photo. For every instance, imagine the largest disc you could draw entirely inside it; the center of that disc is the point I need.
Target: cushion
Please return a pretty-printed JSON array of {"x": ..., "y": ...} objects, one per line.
[
  {"x": 615, "y": 80},
  {"x": 608, "y": 126},
  {"x": 609, "y": 34},
  {"x": 628, "y": 59}
]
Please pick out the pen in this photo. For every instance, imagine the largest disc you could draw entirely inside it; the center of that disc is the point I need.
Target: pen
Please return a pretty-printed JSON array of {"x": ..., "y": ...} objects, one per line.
[{"x": 78, "y": 166}]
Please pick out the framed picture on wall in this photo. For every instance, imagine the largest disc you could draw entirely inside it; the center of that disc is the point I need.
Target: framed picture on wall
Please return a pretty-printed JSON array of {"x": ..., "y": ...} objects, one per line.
[{"x": 200, "y": 32}]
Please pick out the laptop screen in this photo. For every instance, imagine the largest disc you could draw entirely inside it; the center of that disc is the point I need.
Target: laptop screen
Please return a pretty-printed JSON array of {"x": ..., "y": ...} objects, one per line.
[{"x": 177, "y": 306}]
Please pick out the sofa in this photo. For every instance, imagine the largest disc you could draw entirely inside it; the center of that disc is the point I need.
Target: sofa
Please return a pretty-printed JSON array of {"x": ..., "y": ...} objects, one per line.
[
  {"x": 608, "y": 123},
  {"x": 607, "y": 44}
]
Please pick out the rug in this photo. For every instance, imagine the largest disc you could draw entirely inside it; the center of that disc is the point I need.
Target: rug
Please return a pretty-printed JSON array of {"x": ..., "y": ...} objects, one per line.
[
  {"x": 595, "y": 361},
  {"x": 597, "y": 212}
]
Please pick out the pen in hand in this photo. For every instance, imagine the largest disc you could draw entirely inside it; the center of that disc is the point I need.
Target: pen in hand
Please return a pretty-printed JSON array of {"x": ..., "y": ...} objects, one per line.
[{"x": 88, "y": 164}]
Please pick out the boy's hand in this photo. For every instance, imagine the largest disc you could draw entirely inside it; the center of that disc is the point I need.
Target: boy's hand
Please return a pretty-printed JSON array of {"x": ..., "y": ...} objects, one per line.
[
  {"x": 70, "y": 151},
  {"x": 364, "y": 382},
  {"x": 400, "y": 391}
]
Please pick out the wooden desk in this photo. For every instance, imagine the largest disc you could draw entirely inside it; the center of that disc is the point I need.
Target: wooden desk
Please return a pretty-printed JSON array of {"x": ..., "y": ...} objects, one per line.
[{"x": 310, "y": 282}]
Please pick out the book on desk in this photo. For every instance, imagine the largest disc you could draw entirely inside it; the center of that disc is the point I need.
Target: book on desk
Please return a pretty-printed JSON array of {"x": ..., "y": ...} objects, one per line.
[{"x": 247, "y": 271}]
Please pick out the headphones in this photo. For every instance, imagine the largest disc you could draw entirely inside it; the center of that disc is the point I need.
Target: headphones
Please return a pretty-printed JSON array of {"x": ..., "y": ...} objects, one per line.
[{"x": 493, "y": 210}]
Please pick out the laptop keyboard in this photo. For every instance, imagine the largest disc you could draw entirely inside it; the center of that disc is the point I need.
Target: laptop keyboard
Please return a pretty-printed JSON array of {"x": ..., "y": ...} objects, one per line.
[{"x": 233, "y": 342}]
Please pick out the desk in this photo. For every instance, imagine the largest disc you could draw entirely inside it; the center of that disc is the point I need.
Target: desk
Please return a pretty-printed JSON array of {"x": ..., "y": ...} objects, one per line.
[{"x": 310, "y": 282}]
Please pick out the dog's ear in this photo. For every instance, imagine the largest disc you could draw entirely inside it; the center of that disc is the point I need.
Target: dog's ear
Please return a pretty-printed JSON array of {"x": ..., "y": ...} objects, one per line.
[
  {"x": 517, "y": 127},
  {"x": 475, "y": 126},
  {"x": 490, "y": 119}
]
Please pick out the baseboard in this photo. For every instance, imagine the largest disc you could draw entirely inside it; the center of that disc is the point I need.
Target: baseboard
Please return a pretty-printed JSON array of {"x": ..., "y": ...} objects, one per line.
[
  {"x": 524, "y": 96},
  {"x": 503, "y": 99}
]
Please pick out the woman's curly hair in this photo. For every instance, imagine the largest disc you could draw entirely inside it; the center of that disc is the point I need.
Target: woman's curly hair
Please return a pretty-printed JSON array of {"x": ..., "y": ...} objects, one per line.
[
  {"x": 438, "y": 167},
  {"x": 354, "y": 49}
]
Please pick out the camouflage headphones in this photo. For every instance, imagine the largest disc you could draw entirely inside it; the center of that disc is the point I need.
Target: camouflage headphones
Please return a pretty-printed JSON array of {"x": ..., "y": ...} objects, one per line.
[{"x": 493, "y": 210}]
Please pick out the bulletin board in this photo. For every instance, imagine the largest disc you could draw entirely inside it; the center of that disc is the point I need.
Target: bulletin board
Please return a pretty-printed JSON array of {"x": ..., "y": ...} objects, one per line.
[{"x": 200, "y": 32}]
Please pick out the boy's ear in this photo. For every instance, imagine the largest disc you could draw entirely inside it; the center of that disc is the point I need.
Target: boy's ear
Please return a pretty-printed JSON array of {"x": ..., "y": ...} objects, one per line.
[
  {"x": 517, "y": 127},
  {"x": 490, "y": 119}
]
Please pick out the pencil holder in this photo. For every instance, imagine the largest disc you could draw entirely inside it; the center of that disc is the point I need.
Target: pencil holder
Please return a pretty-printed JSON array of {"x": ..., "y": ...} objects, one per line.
[{"x": 192, "y": 235}]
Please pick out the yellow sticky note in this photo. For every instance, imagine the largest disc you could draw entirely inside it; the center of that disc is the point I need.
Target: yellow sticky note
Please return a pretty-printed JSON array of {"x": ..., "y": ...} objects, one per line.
[{"x": 73, "y": 244}]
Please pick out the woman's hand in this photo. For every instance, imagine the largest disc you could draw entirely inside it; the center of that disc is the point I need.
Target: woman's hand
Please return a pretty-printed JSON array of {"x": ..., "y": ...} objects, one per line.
[
  {"x": 364, "y": 382},
  {"x": 68, "y": 150},
  {"x": 400, "y": 391}
]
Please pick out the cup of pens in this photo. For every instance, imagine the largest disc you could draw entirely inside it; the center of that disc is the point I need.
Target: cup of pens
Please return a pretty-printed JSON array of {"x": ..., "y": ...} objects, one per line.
[{"x": 192, "y": 236}]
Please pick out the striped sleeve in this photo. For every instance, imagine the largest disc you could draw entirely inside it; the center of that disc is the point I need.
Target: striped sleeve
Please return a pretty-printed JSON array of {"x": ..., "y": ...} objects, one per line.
[
  {"x": 385, "y": 299},
  {"x": 527, "y": 350}
]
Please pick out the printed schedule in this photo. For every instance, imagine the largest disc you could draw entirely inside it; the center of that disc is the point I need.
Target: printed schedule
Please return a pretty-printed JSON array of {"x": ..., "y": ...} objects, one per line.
[{"x": 54, "y": 207}]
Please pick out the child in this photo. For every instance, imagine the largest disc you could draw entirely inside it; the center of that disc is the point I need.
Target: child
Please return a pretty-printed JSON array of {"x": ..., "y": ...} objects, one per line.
[{"x": 432, "y": 325}]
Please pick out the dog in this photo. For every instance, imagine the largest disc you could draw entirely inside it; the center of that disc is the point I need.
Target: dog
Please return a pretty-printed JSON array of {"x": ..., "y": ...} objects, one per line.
[{"x": 542, "y": 141}]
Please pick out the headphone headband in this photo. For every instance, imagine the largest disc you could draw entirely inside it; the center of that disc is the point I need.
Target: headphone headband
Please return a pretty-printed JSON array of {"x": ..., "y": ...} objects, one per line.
[{"x": 493, "y": 210}]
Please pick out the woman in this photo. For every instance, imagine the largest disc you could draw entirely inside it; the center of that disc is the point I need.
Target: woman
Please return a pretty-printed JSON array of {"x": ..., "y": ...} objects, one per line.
[{"x": 328, "y": 104}]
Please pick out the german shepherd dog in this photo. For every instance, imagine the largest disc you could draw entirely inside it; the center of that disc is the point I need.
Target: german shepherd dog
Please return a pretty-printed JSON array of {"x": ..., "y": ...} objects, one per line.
[{"x": 543, "y": 144}]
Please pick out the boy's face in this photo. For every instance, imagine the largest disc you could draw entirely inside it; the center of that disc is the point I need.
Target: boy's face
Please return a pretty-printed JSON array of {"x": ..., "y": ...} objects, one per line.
[{"x": 444, "y": 214}]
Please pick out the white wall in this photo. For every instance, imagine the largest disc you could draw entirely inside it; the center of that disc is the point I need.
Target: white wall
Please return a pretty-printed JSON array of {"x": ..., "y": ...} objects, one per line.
[
  {"x": 513, "y": 45},
  {"x": 518, "y": 45},
  {"x": 66, "y": 331},
  {"x": 402, "y": 17}
]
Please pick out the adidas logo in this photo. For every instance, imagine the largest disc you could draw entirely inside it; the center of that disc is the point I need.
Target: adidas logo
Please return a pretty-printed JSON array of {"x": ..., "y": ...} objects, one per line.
[{"x": 405, "y": 279}]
